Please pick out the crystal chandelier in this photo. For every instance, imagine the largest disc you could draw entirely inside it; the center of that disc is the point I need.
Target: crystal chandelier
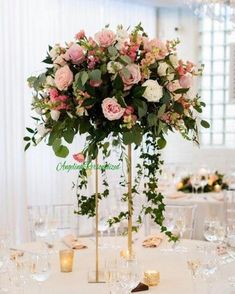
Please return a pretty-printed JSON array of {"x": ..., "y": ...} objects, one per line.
[{"x": 215, "y": 9}]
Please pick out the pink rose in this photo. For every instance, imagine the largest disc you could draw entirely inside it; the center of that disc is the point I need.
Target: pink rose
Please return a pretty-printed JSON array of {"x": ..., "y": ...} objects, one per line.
[
  {"x": 105, "y": 38},
  {"x": 80, "y": 35},
  {"x": 149, "y": 45},
  {"x": 79, "y": 157},
  {"x": 111, "y": 109},
  {"x": 133, "y": 78},
  {"x": 75, "y": 54},
  {"x": 173, "y": 86},
  {"x": 186, "y": 81},
  {"x": 63, "y": 78}
]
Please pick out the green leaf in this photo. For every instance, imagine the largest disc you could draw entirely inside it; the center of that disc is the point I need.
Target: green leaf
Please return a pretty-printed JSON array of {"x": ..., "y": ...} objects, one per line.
[
  {"x": 161, "y": 143},
  {"x": 53, "y": 135},
  {"x": 88, "y": 102},
  {"x": 133, "y": 136},
  {"x": 161, "y": 111},
  {"x": 56, "y": 144},
  {"x": 69, "y": 135},
  {"x": 84, "y": 126},
  {"x": 203, "y": 104},
  {"x": 178, "y": 107},
  {"x": 138, "y": 91},
  {"x": 142, "y": 109},
  {"x": 95, "y": 75},
  {"x": 125, "y": 59},
  {"x": 166, "y": 97},
  {"x": 205, "y": 124},
  {"x": 30, "y": 130},
  {"x": 63, "y": 151},
  {"x": 181, "y": 91},
  {"x": 118, "y": 83},
  {"x": 84, "y": 77},
  {"x": 27, "y": 139},
  {"x": 26, "y": 146},
  {"x": 152, "y": 119},
  {"x": 112, "y": 51}
]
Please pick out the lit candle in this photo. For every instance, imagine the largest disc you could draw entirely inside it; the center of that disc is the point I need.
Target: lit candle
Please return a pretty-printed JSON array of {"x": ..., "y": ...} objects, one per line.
[
  {"x": 126, "y": 254},
  {"x": 151, "y": 277},
  {"x": 217, "y": 188},
  {"x": 66, "y": 261}
]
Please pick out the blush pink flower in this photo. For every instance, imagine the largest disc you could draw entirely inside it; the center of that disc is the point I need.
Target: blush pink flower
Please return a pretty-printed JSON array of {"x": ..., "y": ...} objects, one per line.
[
  {"x": 150, "y": 45},
  {"x": 80, "y": 35},
  {"x": 105, "y": 38},
  {"x": 95, "y": 84},
  {"x": 111, "y": 109},
  {"x": 129, "y": 110},
  {"x": 79, "y": 157},
  {"x": 186, "y": 81},
  {"x": 75, "y": 53},
  {"x": 133, "y": 78},
  {"x": 91, "y": 42},
  {"x": 173, "y": 86},
  {"x": 63, "y": 78},
  {"x": 53, "y": 94}
]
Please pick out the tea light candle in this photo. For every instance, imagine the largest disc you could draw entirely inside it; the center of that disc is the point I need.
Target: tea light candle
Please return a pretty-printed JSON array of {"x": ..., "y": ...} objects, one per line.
[
  {"x": 126, "y": 254},
  {"x": 217, "y": 188},
  {"x": 151, "y": 277},
  {"x": 66, "y": 261}
]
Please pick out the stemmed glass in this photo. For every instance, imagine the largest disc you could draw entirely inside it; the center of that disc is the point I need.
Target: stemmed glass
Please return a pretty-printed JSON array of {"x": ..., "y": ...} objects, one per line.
[
  {"x": 102, "y": 227},
  {"x": 214, "y": 231},
  {"x": 40, "y": 269},
  {"x": 111, "y": 275},
  {"x": 129, "y": 275},
  {"x": 196, "y": 182}
]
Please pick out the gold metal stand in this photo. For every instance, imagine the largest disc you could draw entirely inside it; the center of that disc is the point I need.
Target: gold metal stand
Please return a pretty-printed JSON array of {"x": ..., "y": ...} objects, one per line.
[
  {"x": 130, "y": 201},
  {"x": 96, "y": 276}
]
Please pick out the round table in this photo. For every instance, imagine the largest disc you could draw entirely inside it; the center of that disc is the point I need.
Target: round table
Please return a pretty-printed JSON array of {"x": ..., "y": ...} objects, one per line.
[{"x": 175, "y": 277}]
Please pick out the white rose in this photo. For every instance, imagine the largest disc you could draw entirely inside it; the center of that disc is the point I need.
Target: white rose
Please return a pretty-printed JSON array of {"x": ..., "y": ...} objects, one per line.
[
  {"x": 122, "y": 35},
  {"x": 54, "y": 52},
  {"x": 50, "y": 81},
  {"x": 170, "y": 77},
  {"x": 42, "y": 131},
  {"x": 174, "y": 60},
  {"x": 153, "y": 91},
  {"x": 55, "y": 114},
  {"x": 113, "y": 67},
  {"x": 162, "y": 69}
]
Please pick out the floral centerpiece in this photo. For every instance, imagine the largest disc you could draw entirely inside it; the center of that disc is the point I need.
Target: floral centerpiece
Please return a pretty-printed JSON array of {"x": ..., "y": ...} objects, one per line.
[
  {"x": 119, "y": 88},
  {"x": 212, "y": 183}
]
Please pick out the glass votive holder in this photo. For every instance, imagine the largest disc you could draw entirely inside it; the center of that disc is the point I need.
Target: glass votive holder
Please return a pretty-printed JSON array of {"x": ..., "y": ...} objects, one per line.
[
  {"x": 66, "y": 260},
  {"x": 126, "y": 254},
  {"x": 151, "y": 277}
]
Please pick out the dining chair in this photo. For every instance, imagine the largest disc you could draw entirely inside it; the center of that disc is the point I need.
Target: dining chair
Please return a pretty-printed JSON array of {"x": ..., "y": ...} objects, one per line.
[
  {"x": 181, "y": 219},
  {"x": 178, "y": 219}
]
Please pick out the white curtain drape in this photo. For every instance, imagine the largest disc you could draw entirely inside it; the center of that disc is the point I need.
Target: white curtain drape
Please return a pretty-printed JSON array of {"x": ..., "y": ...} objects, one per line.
[{"x": 26, "y": 29}]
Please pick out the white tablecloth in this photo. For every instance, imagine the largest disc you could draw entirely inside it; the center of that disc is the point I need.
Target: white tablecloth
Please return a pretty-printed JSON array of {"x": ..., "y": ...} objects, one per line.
[
  {"x": 208, "y": 205},
  {"x": 175, "y": 277}
]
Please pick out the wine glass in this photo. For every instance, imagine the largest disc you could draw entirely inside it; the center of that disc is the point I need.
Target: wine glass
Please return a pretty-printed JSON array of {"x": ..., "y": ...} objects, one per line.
[
  {"x": 214, "y": 231},
  {"x": 196, "y": 182},
  {"x": 40, "y": 269},
  {"x": 129, "y": 275},
  {"x": 111, "y": 275},
  {"x": 102, "y": 227}
]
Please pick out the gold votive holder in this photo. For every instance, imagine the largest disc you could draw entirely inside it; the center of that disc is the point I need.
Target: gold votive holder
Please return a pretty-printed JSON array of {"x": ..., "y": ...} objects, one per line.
[
  {"x": 66, "y": 260},
  {"x": 127, "y": 255},
  {"x": 151, "y": 277}
]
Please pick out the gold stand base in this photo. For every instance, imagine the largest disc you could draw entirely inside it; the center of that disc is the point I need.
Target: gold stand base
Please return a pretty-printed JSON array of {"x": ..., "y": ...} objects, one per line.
[{"x": 94, "y": 277}]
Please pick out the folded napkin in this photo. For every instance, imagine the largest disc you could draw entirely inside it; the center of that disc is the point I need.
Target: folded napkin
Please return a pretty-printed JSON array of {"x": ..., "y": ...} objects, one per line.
[
  {"x": 16, "y": 254},
  {"x": 177, "y": 195},
  {"x": 153, "y": 241},
  {"x": 72, "y": 242},
  {"x": 140, "y": 287}
]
